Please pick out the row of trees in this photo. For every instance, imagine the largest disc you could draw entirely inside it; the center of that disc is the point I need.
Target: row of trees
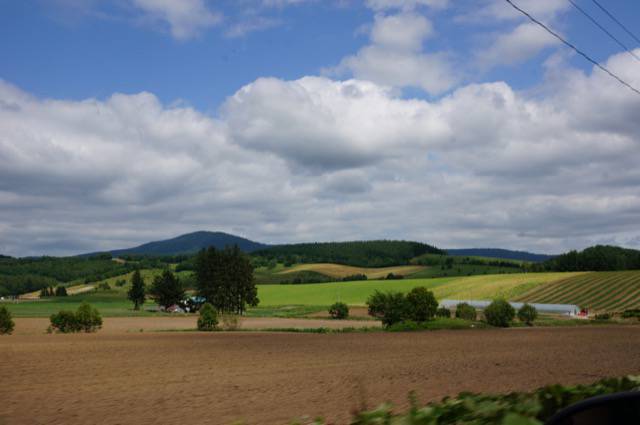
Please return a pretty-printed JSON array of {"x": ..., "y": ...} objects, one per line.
[
  {"x": 595, "y": 258},
  {"x": 380, "y": 253}
]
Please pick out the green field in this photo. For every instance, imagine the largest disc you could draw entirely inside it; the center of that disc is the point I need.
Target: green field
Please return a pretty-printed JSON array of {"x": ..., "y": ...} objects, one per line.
[
  {"x": 600, "y": 291},
  {"x": 356, "y": 293}
]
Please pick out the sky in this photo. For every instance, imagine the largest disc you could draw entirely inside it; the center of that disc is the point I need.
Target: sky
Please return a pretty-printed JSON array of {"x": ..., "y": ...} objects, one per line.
[{"x": 458, "y": 123}]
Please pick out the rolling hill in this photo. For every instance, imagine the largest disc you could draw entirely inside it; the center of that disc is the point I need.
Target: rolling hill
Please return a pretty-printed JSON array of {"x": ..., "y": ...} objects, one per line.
[{"x": 191, "y": 243}]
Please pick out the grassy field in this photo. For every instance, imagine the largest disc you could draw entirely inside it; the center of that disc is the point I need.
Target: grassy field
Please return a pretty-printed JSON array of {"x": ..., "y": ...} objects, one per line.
[
  {"x": 600, "y": 291},
  {"x": 339, "y": 271},
  {"x": 356, "y": 293}
]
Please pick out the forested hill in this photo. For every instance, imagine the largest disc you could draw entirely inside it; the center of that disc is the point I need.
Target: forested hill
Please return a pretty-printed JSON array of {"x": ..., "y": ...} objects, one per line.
[
  {"x": 499, "y": 253},
  {"x": 595, "y": 258},
  {"x": 356, "y": 253},
  {"x": 191, "y": 243}
]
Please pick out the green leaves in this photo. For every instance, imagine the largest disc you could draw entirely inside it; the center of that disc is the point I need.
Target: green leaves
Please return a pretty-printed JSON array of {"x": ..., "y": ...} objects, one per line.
[{"x": 509, "y": 409}]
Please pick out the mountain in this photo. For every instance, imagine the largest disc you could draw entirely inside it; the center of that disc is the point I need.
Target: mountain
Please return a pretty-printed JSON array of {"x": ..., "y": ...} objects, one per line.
[
  {"x": 190, "y": 243},
  {"x": 499, "y": 253}
]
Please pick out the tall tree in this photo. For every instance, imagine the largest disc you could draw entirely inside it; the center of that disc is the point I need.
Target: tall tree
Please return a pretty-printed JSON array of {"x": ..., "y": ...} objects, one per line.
[
  {"x": 137, "y": 293},
  {"x": 225, "y": 279},
  {"x": 167, "y": 289}
]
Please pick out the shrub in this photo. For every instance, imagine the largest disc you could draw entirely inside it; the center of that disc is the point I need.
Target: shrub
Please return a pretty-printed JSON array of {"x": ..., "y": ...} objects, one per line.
[
  {"x": 465, "y": 311},
  {"x": 443, "y": 312},
  {"x": 61, "y": 291},
  {"x": 499, "y": 313},
  {"x": 354, "y": 277},
  {"x": 633, "y": 312},
  {"x": 527, "y": 314},
  {"x": 389, "y": 307},
  {"x": 86, "y": 319},
  {"x": 603, "y": 316},
  {"x": 64, "y": 321},
  {"x": 208, "y": 319},
  {"x": 230, "y": 322},
  {"x": 103, "y": 286},
  {"x": 120, "y": 283},
  {"x": 421, "y": 304},
  {"x": 6, "y": 322},
  {"x": 339, "y": 310},
  {"x": 392, "y": 276}
]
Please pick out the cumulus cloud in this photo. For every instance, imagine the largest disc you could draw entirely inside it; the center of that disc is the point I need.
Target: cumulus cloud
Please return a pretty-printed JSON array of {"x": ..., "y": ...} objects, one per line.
[
  {"x": 395, "y": 56},
  {"x": 318, "y": 159}
]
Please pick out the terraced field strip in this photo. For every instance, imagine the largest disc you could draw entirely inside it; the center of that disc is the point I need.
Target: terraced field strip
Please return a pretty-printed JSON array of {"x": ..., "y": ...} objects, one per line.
[
  {"x": 602, "y": 291},
  {"x": 485, "y": 287},
  {"x": 339, "y": 271},
  {"x": 561, "y": 287}
]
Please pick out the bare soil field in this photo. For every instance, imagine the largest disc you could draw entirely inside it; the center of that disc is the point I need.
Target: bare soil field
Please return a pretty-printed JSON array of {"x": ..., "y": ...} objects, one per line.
[
  {"x": 119, "y": 325},
  {"x": 273, "y": 378}
]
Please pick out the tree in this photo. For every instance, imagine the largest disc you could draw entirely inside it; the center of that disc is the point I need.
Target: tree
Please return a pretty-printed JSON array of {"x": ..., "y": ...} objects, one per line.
[
  {"x": 465, "y": 311},
  {"x": 6, "y": 322},
  {"x": 421, "y": 304},
  {"x": 389, "y": 307},
  {"x": 208, "y": 319},
  {"x": 61, "y": 291},
  {"x": 339, "y": 310},
  {"x": 88, "y": 318},
  {"x": 527, "y": 314},
  {"x": 499, "y": 313},
  {"x": 225, "y": 279},
  {"x": 137, "y": 293},
  {"x": 167, "y": 289}
]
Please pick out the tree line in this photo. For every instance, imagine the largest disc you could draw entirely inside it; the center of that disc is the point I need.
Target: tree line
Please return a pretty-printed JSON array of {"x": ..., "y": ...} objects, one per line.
[
  {"x": 595, "y": 258},
  {"x": 381, "y": 253}
]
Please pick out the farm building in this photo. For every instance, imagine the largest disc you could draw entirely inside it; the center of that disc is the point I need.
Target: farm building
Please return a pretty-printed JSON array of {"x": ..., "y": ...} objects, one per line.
[{"x": 568, "y": 309}]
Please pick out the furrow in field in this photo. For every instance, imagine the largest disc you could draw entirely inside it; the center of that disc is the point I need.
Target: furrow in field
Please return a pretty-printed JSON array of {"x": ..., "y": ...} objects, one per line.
[
  {"x": 554, "y": 288},
  {"x": 621, "y": 289},
  {"x": 588, "y": 292},
  {"x": 628, "y": 298}
]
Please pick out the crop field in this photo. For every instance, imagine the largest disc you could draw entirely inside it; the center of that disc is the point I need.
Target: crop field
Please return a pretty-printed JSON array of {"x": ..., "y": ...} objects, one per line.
[
  {"x": 356, "y": 293},
  {"x": 276, "y": 378},
  {"x": 600, "y": 291},
  {"x": 338, "y": 271}
]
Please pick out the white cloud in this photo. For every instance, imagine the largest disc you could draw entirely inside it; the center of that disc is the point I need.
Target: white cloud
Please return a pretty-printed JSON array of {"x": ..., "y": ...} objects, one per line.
[
  {"x": 317, "y": 159},
  {"x": 381, "y": 5},
  {"x": 185, "y": 18},
  {"x": 522, "y": 43},
  {"x": 395, "y": 57}
]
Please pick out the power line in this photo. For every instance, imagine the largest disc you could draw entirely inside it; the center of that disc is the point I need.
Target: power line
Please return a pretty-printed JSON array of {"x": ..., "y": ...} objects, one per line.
[
  {"x": 615, "y": 20},
  {"x": 596, "y": 23},
  {"x": 580, "y": 52}
]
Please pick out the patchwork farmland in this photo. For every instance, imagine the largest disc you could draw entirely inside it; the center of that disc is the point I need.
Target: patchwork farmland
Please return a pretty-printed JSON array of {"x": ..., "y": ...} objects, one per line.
[{"x": 600, "y": 291}]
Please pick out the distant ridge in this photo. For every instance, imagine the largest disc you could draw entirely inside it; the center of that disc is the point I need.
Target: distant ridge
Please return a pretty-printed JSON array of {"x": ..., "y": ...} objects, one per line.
[
  {"x": 190, "y": 243},
  {"x": 500, "y": 253}
]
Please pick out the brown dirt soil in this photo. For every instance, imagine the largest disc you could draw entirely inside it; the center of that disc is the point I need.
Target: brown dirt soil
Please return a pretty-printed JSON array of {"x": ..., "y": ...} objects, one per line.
[
  {"x": 273, "y": 378},
  {"x": 119, "y": 325}
]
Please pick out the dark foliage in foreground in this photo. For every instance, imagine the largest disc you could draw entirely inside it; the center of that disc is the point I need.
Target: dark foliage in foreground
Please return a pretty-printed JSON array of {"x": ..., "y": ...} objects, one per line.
[{"x": 532, "y": 408}]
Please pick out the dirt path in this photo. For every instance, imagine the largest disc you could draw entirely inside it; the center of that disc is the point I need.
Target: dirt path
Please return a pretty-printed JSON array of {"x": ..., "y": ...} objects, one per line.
[
  {"x": 273, "y": 378},
  {"x": 120, "y": 325}
]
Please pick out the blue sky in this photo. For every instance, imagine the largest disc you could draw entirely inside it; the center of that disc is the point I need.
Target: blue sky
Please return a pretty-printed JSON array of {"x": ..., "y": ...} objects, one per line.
[
  {"x": 83, "y": 49},
  {"x": 298, "y": 120}
]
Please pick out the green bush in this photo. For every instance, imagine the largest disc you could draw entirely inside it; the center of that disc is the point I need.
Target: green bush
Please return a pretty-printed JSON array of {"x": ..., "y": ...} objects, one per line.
[
  {"x": 86, "y": 319},
  {"x": 533, "y": 408},
  {"x": 465, "y": 311},
  {"x": 339, "y": 310},
  {"x": 6, "y": 322},
  {"x": 61, "y": 291},
  {"x": 603, "y": 316},
  {"x": 499, "y": 313},
  {"x": 633, "y": 312},
  {"x": 208, "y": 319},
  {"x": 443, "y": 312},
  {"x": 389, "y": 307},
  {"x": 421, "y": 304},
  {"x": 64, "y": 322},
  {"x": 527, "y": 314}
]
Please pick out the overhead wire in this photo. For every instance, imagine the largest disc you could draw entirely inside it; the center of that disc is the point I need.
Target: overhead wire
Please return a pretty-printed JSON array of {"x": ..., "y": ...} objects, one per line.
[
  {"x": 596, "y": 23},
  {"x": 567, "y": 43},
  {"x": 613, "y": 18}
]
